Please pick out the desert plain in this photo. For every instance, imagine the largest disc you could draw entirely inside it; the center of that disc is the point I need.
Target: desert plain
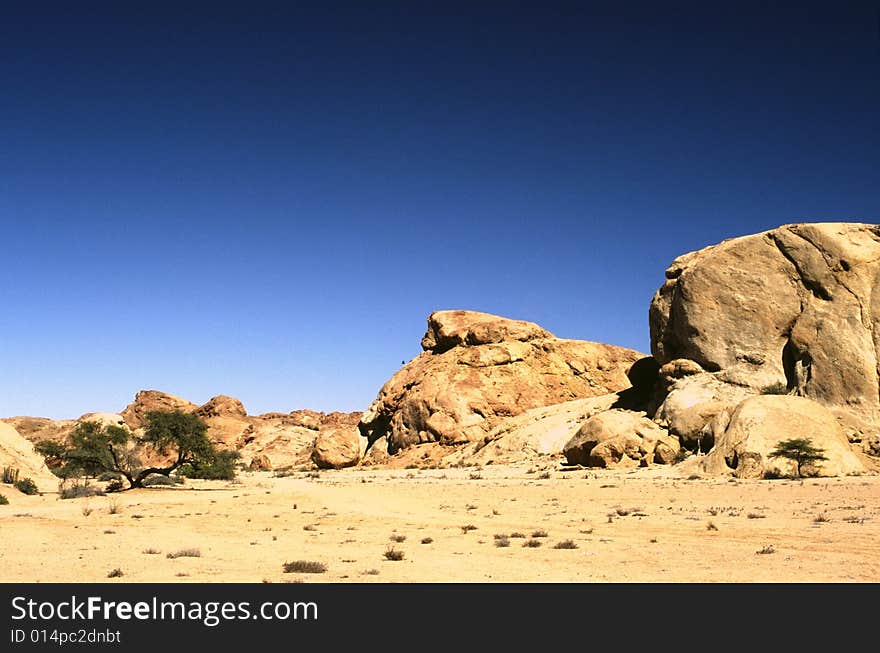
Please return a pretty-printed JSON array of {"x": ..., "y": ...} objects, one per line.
[{"x": 642, "y": 525}]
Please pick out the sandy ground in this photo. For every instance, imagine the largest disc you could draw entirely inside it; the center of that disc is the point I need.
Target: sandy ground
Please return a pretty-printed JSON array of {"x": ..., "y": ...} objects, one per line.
[{"x": 647, "y": 525}]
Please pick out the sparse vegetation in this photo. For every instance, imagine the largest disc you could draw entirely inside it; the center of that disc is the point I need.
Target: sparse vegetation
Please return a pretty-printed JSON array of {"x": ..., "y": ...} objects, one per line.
[
  {"x": 475, "y": 476},
  {"x": 755, "y": 515},
  {"x": 398, "y": 538},
  {"x": 86, "y": 510},
  {"x": 393, "y": 554},
  {"x": 532, "y": 544},
  {"x": 801, "y": 451},
  {"x": 76, "y": 487},
  {"x": 26, "y": 486},
  {"x": 766, "y": 550},
  {"x": 152, "y": 551},
  {"x": 566, "y": 544},
  {"x": 778, "y": 388},
  {"x": 539, "y": 533},
  {"x": 711, "y": 526},
  {"x": 501, "y": 540},
  {"x": 185, "y": 553},
  {"x": 517, "y": 535},
  {"x": 821, "y": 519},
  {"x": 10, "y": 475},
  {"x": 427, "y": 540},
  {"x": 154, "y": 480},
  {"x": 113, "y": 507},
  {"x": 304, "y": 567},
  {"x": 116, "y": 573},
  {"x": 3, "y": 500},
  {"x": 96, "y": 449},
  {"x": 544, "y": 476},
  {"x": 467, "y": 528}
]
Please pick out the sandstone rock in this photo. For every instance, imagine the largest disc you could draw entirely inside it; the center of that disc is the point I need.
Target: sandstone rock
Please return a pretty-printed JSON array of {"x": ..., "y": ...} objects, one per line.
[
  {"x": 260, "y": 463},
  {"x": 147, "y": 401},
  {"x": 609, "y": 437},
  {"x": 797, "y": 305},
  {"x": 479, "y": 369},
  {"x": 758, "y": 424},
  {"x": 337, "y": 447},
  {"x": 222, "y": 406},
  {"x": 18, "y": 453},
  {"x": 691, "y": 403}
]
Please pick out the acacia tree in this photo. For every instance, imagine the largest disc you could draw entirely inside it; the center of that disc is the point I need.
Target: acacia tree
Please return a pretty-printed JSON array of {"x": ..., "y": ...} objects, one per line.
[
  {"x": 96, "y": 448},
  {"x": 800, "y": 450}
]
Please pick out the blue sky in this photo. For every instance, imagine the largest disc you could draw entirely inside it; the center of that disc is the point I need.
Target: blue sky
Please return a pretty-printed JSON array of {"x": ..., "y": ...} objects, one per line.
[{"x": 267, "y": 199}]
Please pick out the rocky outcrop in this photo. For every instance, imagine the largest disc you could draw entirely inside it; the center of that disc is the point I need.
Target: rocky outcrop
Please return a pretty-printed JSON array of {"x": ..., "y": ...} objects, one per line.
[
  {"x": 477, "y": 370},
  {"x": 746, "y": 438},
  {"x": 798, "y": 305},
  {"x": 145, "y": 401},
  {"x": 18, "y": 453}
]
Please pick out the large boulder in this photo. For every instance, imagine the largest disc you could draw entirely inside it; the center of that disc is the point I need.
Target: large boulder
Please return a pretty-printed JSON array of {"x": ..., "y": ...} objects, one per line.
[
  {"x": 798, "y": 305},
  {"x": 479, "y": 369},
  {"x": 337, "y": 447},
  {"x": 758, "y": 424},
  {"x": 620, "y": 437}
]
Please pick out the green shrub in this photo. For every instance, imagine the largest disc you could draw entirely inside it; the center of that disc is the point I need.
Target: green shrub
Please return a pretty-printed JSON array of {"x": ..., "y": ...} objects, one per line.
[
  {"x": 219, "y": 467},
  {"x": 110, "y": 476},
  {"x": 27, "y": 486},
  {"x": 3, "y": 500}
]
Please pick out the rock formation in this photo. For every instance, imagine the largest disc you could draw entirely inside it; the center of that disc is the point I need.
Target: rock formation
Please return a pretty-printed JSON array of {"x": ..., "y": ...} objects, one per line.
[
  {"x": 18, "y": 453},
  {"x": 477, "y": 370}
]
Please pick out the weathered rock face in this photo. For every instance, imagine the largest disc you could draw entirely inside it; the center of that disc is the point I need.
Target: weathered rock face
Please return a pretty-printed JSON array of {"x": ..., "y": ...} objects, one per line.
[
  {"x": 145, "y": 401},
  {"x": 798, "y": 305},
  {"x": 478, "y": 369},
  {"x": 222, "y": 406},
  {"x": 337, "y": 447},
  {"x": 757, "y": 426},
  {"x": 620, "y": 437},
  {"x": 18, "y": 453}
]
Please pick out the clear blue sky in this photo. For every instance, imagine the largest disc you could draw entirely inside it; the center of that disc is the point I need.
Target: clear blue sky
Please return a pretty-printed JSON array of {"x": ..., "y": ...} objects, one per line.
[{"x": 267, "y": 200}]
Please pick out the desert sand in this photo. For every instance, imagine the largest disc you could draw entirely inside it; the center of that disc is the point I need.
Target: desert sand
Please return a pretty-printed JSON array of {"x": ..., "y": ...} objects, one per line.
[{"x": 641, "y": 525}]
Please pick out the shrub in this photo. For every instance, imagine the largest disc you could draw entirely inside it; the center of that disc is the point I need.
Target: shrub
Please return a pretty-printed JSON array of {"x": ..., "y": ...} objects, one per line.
[
  {"x": 427, "y": 540},
  {"x": 74, "y": 488},
  {"x": 393, "y": 554},
  {"x": 113, "y": 486},
  {"x": 27, "y": 486},
  {"x": 532, "y": 544},
  {"x": 777, "y": 388},
  {"x": 116, "y": 573},
  {"x": 766, "y": 550},
  {"x": 398, "y": 538},
  {"x": 3, "y": 500},
  {"x": 157, "y": 479},
  {"x": 539, "y": 533},
  {"x": 566, "y": 544},
  {"x": 502, "y": 541},
  {"x": 304, "y": 567},
  {"x": 10, "y": 475},
  {"x": 185, "y": 553},
  {"x": 113, "y": 508},
  {"x": 467, "y": 528},
  {"x": 109, "y": 476}
]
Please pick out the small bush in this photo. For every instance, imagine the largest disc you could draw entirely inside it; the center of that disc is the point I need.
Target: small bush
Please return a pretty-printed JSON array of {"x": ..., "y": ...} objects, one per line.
[
  {"x": 110, "y": 476},
  {"x": 766, "y": 550},
  {"x": 532, "y": 544},
  {"x": 86, "y": 511},
  {"x": 154, "y": 480},
  {"x": 821, "y": 519},
  {"x": 502, "y": 541},
  {"x": 116, "y": 573},
  {"x": 10, "y": 475},
  {"x": 393, "y": 554},
  {"x": 427, "y": 540},
  {"x": 468, "y": 528},
  {"x": 539, "y": 533},
  {"x": 566, "y": 544},
  {"x": 3, "y": 500},
  {"x": 711, "y": 526},
  {"x": 113, "y": 486},
  {"x": 398, "y": 538},
  {"x": 75, "y": 488},
  {"x": 185, "y": 553},
  {"x": 475, "y": 476},
  {"x": 152, "y": 551},
  {"x": 27, "y": 486},
  {"x": 304, "y": 567},
  {"x": 777, "y": 388},
  {"x": 113, "y": 508},
  {"x": 544, "y": 476},
  {"x": 517, "y": 535}
]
